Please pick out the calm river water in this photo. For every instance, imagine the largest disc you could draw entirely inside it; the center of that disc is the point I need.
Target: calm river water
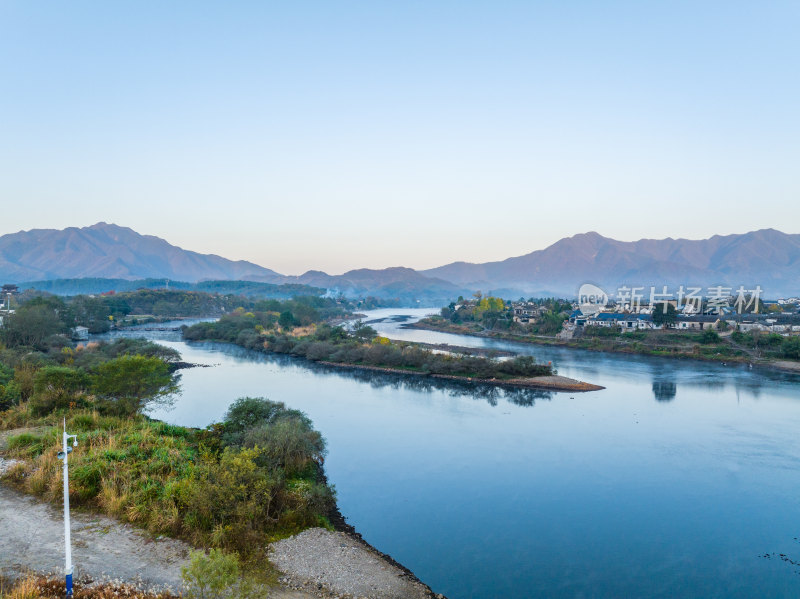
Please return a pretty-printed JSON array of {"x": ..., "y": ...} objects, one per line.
[{"x": 674, "y": 481}]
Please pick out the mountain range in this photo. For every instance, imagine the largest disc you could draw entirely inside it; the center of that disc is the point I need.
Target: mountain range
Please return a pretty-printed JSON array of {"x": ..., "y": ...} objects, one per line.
[
  {"x": 767, "y": 257},
  {"x": 110, "y": 251}
]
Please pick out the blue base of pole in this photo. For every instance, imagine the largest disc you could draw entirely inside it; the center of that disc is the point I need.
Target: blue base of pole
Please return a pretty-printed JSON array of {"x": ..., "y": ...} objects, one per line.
[{"x": 69, "y": 585}]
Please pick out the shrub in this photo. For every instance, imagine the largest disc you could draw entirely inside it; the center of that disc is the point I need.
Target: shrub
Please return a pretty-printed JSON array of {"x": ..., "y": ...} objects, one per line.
[
  {"x": 10, "y": 395},
  {"x": 211, "y": 575},
  {"x": 232, "y": 501},
  {"x": 24, "y": 374},
  {"x": 288, "y": 443}
]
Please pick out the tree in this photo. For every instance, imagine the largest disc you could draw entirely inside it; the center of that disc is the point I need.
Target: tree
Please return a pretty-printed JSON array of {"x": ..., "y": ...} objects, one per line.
[
  {"x": 248, "y": 412},
  {"x": 56, "y": 387},
  {"x": 127, "y": 384},
  {"x": 286, "y": 320},
  {"x": 363, "y": 332},
  {"x": 664, "y": 314},
  {"x": 32, "y": 324},
  {"x": 91, "y": 312},
  {"x": 791, "y": 348}
]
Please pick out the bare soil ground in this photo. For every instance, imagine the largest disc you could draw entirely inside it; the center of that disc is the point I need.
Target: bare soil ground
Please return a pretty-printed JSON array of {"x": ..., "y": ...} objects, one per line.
[{"x": 33, "y": 540}]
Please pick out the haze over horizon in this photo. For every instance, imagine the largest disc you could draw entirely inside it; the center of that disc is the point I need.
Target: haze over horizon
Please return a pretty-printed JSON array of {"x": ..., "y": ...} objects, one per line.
[{"x": 318, "y": 137}]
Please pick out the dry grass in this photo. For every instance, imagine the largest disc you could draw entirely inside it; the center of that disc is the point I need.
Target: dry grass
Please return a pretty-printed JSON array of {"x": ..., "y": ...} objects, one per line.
[
  {"x": 302, "y": 331},
  {"x": 40, "y": 587}
]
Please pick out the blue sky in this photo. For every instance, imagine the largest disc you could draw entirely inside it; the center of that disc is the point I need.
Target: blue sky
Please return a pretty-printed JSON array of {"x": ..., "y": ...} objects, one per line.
[{"x": 337, "y": 135}]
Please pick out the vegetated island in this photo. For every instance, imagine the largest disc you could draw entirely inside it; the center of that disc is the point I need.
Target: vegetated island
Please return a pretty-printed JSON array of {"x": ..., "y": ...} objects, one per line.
[
  {"x": 230, "y": 489},
  {"x": 362, "y": 348}
]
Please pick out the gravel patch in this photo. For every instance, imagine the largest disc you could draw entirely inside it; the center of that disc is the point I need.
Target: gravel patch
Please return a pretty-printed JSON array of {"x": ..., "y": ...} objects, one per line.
[
  {"x": 7, "y": 464},
  {"x": 337, "y": 564}
]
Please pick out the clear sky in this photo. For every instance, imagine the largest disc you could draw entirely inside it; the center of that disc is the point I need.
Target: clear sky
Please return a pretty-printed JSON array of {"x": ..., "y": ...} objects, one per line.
[{"x": 336, "y": 135}]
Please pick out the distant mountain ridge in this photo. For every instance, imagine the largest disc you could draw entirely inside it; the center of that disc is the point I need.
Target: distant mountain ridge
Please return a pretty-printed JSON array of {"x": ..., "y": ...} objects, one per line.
[
  {"x": 110, "y": 251},
  {"x": 766, "y": 257}
]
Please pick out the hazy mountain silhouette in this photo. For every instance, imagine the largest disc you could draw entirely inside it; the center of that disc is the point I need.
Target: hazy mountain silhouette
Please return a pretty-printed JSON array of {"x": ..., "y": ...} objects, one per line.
[
  {"x": 767, "y": 257},
  {"x": 110, "y": 251}
]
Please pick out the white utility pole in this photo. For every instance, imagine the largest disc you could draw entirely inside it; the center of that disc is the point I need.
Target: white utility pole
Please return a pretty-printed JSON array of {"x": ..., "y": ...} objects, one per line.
[{"x": 64, "y": 455}]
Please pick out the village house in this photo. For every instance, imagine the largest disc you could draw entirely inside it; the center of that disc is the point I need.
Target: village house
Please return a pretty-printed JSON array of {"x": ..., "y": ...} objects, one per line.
[
  {"x": 80, "y": 333},
  {"x": 525, "y": 312},
  {"x": 745, "y": 326},
  {"x": 698, "y": 322}
]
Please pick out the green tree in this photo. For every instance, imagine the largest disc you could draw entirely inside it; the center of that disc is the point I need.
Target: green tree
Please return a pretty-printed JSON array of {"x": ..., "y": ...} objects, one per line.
[
  {"x": 286, "y": 320},
  {"x": 127, "y": 384},
  {"x": 32, "y": 324},
  {"x": 91, "y": 312},
  {"x": 790, "y": 348},
  {"x": 361, "y": 331},
  {"x": 56, "y": 387},
  {"x": 664, "y": 314},
  {"x": 249, "y": 412}
]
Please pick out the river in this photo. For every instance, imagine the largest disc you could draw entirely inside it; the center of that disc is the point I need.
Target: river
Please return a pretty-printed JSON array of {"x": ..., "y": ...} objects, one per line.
[{"x": 677, "y": 480}]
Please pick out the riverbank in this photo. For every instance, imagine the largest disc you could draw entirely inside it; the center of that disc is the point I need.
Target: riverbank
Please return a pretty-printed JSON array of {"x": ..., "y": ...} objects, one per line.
[
  {"x": 308, "y": 564},
  {"x": 718, "y": 352},
  {"x": 315, "y": 563}
]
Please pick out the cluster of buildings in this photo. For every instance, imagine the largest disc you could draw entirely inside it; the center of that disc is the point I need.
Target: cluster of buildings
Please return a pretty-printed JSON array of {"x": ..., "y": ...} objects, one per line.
[{"x": 782, "y": 323}]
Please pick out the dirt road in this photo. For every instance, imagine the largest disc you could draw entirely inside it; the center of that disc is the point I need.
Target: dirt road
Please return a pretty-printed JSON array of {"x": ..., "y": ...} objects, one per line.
[{"x": 32, "y": 539}]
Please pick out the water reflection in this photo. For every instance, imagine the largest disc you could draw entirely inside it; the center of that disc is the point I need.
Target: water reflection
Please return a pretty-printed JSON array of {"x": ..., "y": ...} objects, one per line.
[{"x": 664, "y": 390}]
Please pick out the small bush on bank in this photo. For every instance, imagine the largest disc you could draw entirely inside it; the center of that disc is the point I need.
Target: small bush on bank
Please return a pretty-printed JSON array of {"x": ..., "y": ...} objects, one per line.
[{"x": 212, "y": 575}]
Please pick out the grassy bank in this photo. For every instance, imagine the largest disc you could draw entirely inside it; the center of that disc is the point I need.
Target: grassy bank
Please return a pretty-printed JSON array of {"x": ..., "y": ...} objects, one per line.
[{"x": 236, "y": 485}]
